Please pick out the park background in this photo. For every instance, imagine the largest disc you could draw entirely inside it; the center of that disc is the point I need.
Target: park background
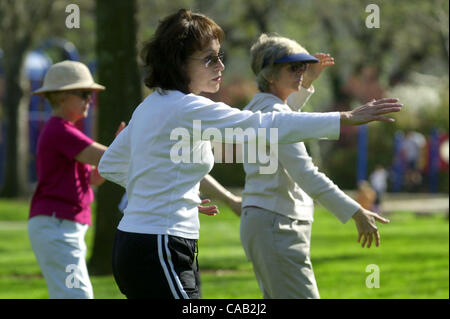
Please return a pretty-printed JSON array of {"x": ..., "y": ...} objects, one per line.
[{"x": 406, "y": 57}]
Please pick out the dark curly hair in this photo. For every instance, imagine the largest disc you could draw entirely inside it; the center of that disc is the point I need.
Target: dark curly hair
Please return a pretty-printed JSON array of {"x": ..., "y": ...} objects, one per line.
[{"x": 177, "y": 37}]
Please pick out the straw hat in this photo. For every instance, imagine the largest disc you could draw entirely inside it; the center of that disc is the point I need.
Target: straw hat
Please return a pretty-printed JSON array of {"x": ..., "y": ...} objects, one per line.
[{"x": 68, "y": 75}]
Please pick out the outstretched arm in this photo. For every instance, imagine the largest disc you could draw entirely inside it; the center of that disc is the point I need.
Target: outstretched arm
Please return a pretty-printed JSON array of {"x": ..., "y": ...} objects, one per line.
[
  {"x": 302, "y": 170},
  {"x": 213, "y": 189},
  {"x": 93, "y": 153}
]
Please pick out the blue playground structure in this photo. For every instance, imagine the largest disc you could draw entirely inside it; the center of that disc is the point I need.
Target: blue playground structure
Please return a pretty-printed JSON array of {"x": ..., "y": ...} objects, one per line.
[{"x": 398, "y": 167}]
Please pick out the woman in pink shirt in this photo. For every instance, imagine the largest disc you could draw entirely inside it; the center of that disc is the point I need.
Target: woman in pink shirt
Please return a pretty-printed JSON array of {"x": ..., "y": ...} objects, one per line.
[{"x": 60, "y": 209}]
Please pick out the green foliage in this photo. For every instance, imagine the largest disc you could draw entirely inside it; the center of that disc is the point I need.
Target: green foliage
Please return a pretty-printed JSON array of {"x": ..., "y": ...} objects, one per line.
[
  {"x": 412, "y": 38},
  {"x": 340, "y": 167}
]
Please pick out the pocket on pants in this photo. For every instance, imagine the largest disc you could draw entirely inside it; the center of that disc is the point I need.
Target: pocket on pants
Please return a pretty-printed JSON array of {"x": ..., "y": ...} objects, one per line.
[
  {"x": 182, "y": 252},
  {"x": 182, "y": 249},
  {"x": 292, "y": 238}
]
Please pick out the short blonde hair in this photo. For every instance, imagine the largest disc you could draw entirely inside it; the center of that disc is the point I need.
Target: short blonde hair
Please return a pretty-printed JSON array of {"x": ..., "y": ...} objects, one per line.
[
  {"x": 267, "y": 49},
  {"x": 55, "y": 97}
]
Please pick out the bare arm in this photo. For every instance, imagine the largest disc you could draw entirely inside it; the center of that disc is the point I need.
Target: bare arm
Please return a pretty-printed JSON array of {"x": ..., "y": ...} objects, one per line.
[
  {"x": 213, "y": 189},
  {"x": 91, "y": 154}
]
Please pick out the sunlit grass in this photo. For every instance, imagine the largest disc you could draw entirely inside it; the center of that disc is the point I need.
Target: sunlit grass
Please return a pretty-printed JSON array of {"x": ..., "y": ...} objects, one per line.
[{"x": 412, "y": 258}]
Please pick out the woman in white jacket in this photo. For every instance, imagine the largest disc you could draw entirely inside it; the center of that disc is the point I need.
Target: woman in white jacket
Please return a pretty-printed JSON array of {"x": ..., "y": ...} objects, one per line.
[
  {"x": 165, "y": 151},
  {"x": 278, "y": 208}
]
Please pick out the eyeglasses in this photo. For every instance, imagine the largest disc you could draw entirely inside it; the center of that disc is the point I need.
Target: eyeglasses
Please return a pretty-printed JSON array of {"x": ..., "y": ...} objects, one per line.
[
  {"x": 82, "y": 94},
  {"x": 211, "y": 60},
  {"x": 298, "y": 67}
]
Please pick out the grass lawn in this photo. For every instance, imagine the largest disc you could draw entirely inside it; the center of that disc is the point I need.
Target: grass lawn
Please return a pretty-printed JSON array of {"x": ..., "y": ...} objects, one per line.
[{"x": 413, "y": 259}]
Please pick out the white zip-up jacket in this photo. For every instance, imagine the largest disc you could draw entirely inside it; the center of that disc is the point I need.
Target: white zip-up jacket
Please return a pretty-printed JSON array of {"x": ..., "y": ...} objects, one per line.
[
  {"x": 297, "y": 181},
  {"x": 162, "y": 186}
]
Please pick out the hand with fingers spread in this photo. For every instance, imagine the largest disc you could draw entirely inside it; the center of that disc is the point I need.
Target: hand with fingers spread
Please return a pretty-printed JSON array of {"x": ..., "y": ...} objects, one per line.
[
  {"x": 374, "y": 110},
  {"x": 315, "y": 69},
  {"x": 208, "y": 210},
  {"x": 367, "y": 229}
]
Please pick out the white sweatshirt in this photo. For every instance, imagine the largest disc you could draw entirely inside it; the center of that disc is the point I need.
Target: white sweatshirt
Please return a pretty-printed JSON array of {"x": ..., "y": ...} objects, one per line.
[
  {"x": 288, "y": 190},
  {"x": 163, "y": 192}
]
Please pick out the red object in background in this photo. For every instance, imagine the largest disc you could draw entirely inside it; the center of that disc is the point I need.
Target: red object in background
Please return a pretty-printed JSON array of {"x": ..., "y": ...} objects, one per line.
[{"x": 443, "y": 165}]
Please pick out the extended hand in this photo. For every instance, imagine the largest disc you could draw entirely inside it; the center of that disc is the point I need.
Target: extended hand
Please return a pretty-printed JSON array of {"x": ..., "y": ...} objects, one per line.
[
  {"x": 208, "y": 210},
  {"x": 366, "y": 225},
  {"x": 372, "y": 111}
]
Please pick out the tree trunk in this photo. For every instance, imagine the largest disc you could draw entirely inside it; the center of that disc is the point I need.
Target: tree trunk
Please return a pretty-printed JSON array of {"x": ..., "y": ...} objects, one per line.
[
  {"x": 18, "y": 24},
  {"x": 15, "y": 104},
  {"x": 118, "y": 71}
]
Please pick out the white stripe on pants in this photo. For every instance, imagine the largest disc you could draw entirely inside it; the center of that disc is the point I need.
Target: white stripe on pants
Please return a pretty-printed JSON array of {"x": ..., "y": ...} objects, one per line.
[
  {"x": 60, "y": 250},
  {"x": 165, "y": 259}
]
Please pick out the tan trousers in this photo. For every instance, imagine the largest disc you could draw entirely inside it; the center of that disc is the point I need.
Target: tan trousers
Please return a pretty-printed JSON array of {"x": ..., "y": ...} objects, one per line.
[{"x": 279, "y": 249}]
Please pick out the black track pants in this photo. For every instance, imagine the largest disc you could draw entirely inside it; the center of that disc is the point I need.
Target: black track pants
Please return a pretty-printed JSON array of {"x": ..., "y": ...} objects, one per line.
[{"x": 156, "y": 266}]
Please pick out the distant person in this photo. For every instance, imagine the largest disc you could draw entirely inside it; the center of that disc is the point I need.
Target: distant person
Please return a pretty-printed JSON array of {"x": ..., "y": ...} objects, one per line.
[
  {"x": 378, "y": 180},
  {"x": 66, "y": 161},
  {"x": 154, "y": 254},
  {"x": 278, "y": 208},
  {"x": 413, "y": 150},
  {"x": 412, "y": 147}
]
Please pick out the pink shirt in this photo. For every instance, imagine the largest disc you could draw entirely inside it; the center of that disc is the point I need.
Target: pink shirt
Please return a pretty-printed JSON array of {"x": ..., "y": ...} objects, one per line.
[{"x": 63, "y": 188}]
